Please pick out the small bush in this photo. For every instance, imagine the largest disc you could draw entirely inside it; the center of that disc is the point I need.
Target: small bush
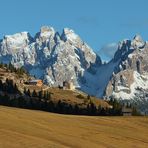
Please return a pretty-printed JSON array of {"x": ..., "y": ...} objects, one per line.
[{"x": 80, "y": 96}]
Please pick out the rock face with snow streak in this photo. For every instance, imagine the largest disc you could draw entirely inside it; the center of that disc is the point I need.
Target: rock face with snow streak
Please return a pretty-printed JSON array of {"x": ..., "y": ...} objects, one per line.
[
  {"x": 50, "y": 56},
  {"x": 132, "y": 71},
  {"x": 15, "y": 47},
  {"x": 57, "y": 58},
  {"x": 117, "y": 77}
]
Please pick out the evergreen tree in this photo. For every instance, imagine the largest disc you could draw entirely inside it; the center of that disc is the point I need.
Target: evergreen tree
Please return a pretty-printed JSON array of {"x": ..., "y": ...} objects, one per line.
[
  {"x": 88, "y": 97},
  {"x": 99, "y": 110},
  {"x": 34, "y": 93},
  {"x": 29, "y": 93},
  {"x": 15, "y": 88},
  {"x": 45, "y": 95},
  {"x": 49, "y": 95},
  {"x": 135, "y": 112},
  {"x": 93, "y": 109},
  {"x": 25, "y": 91},
  {"x": 41, "y": 94},
  {"x": 117, "y": 107},
  {"x": 11, "y": 67},
  {"x": 1, "y": 65},
  {"x": 103, "y": 112},
  {"x": 76, "y": 109},
  {"x": 1, "y": 85}
]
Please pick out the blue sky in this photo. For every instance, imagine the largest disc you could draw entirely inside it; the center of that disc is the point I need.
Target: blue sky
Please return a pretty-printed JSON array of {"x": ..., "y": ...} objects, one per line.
[{"x": 98, "y": 22}]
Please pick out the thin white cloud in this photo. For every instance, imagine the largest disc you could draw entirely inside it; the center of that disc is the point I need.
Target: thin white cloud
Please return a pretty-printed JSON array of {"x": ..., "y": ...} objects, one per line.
[{"x": 107, "y": 52}]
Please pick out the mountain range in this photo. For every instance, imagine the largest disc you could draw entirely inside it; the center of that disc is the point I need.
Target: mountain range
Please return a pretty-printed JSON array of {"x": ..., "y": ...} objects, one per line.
[{"x": 55, "y": 58}]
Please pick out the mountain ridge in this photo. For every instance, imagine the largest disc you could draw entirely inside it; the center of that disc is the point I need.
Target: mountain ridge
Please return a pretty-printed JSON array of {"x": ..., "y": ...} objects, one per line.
[
  {"x": 48, "y": 50},
  {"x": 56, "y": 58}
]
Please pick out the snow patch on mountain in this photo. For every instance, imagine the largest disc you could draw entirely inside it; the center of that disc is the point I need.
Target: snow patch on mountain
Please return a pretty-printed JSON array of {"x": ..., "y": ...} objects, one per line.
[
  {"x": 56, "y": 58},
  {"x": 140, "y": 81},
  {"x": 51, "y": 56},
  {"x": 12, "y": 44},
  {"x": 96, "y": 84}
]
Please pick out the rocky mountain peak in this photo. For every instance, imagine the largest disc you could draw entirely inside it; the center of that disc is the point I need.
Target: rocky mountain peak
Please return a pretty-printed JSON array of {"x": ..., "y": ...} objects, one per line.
[
  {"x": 127, "y": 46},
  {"x": 47, "y": 31},
  {"x": 137, "y": 42},
  {"x": 130, "y": 81},
  {"x": 56, "y": 58},
  {"x": 57, "y": 37},
  {"x": 17, "y": 39},
  {"x": 70, "y": 36},
  {"x": 50, "y": 56},
  {"x": 124, "y": 48},
  {"x": 11, "y": 44},
  {"x": 138, "y": 38}
]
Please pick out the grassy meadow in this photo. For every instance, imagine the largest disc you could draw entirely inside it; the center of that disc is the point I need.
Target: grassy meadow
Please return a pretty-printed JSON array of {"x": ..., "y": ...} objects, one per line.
[{"x": 21, "y": 128}]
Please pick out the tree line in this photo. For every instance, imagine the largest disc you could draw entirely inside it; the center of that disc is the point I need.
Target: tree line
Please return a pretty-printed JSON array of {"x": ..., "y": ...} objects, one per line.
[
  {"x": 43, "y": 100},
  {"x": 11, "y": 68}
]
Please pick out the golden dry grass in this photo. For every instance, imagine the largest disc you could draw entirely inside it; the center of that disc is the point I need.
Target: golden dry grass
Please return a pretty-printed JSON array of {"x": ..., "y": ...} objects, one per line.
[
  {"x": 72, "y": 97},
  {"x": 20, "y": 128},
  {"x": 68, "y": 96}
]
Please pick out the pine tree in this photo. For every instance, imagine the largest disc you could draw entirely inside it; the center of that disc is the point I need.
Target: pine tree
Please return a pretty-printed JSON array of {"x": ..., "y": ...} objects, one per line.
[
  {"x": 88, "y": 97},
  {"x": 41, "y": 94},
  {"x": 11, "y": 67},
  {"x": 93, "y": 109},
  {"x": 34, "y": 93},
  {"x": 49, "y": 95},
  {"x": 25, "y": 91},
  {"x": 29, "y": 93},
  {"x": 1, "y": 85},
  {"x": 15, "y": 88},
  {"x": 1, "y": 65},
  {"x": 45, "y": 95}
]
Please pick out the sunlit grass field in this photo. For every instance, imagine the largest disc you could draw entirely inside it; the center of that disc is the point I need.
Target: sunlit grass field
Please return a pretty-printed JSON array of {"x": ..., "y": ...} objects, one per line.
[{"x": 21, "y": 128}]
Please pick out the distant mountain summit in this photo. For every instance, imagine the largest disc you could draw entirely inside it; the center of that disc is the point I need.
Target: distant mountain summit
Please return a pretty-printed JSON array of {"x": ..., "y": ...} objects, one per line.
[
  {"x": 53, "y": 57},
  {"x": 56, "y": 58},
  {"x": 131, "y": 71}
]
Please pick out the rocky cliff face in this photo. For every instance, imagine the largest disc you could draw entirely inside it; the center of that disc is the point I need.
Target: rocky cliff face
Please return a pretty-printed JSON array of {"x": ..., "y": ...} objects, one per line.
[
  {"x": 132, "y": 69},
  {"x": 56, "y": 58},
  {"x": 129, "y": 80},
  {"x": 50, "y": 56}
]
